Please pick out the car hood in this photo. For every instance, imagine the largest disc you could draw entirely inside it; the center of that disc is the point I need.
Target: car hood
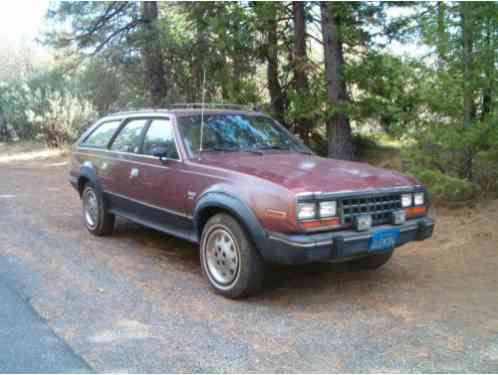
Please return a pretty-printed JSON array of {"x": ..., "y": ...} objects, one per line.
[{"x": 308, "y": 173}]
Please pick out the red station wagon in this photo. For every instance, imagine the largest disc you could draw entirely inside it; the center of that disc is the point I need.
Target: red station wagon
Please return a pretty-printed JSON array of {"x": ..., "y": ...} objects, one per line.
[{"x": 246, "y": 190}]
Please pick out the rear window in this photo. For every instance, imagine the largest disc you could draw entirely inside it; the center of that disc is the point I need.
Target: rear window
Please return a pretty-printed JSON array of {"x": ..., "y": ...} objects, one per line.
[
  {"x": 130, "y": 137},
  {"x": 101, "y": 136}
]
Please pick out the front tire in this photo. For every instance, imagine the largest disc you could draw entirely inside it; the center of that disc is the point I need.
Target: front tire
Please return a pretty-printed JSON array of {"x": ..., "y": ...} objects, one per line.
[
  {"x": 229, "y": 260},
  {"x": 97, "y": 220},
  {"x": 371, "y": 262}
]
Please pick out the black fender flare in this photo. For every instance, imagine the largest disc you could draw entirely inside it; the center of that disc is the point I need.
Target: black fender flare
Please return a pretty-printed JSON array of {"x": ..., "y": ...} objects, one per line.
[
  {"x": 239, "y": 210},
  {"x": 87, "y": 172}
]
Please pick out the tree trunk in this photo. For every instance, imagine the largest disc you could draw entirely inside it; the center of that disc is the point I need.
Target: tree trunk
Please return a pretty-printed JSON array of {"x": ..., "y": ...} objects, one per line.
[
  {"x": 153, "y": 58},
  {"x": 442, "y": 43},
  {"x": 340, "y": 144},
  {"x": 7, "y": 132},
  {"x": 4, "y": 131},
  {"x": 277, "y": 96},
  {"x": 300, "y": 61},
  {"x": 489, "y": 71},
  {"x": 468, "y": 92}
]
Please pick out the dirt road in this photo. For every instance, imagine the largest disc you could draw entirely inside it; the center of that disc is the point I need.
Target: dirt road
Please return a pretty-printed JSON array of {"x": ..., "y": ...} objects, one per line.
[{"x": 136, "y": 301}]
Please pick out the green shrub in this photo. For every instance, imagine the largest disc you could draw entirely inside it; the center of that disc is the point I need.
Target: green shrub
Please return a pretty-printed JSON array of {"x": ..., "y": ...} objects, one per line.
[
  {"x": 63, "y": 119},
  {"x": 486, "y": 170},
  {"x": 444, "y": 187}
]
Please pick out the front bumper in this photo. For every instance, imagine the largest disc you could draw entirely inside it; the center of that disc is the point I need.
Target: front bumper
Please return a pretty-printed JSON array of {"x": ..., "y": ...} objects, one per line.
[{"x": 337, "y": 246}]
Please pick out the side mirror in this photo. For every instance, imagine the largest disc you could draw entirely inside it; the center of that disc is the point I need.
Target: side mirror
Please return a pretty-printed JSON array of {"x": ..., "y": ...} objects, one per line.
[{"x": 160, "y": 152}]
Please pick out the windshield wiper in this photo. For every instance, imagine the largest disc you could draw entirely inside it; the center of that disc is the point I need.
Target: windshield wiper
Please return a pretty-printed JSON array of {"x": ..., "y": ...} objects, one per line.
[
  {"x": 234, "y": 149},
  {"x": 282, "y": 147},
  {"x": 273, "y": 147}
]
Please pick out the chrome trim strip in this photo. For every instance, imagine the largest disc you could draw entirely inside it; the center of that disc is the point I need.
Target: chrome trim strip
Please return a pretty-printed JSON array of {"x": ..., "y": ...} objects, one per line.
[
  {"x": 322, "y": 243},
  {"x": 354, "y": 193},
  {"x": 299, "y": 244},
  {"x": 356, "y": 238},
  {"x": 149, "y": 205},
  {"x": 409, "y": 227},
  {"x": 151, "y": 165},
  {"x": 125, "y": 160}
]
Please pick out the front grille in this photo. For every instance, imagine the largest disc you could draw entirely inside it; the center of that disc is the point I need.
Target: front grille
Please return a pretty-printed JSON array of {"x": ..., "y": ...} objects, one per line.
[{"x": 379, "y": 206}]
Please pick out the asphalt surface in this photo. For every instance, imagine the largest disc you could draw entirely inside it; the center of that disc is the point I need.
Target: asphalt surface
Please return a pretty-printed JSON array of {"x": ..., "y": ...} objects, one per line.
[
  {"x": 27, "y": 344},
  {"x": 136, "y": 301}
]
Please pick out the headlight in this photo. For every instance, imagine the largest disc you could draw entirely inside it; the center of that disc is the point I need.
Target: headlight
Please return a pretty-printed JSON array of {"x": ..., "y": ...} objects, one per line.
[
  {"x": 328, "y": 209},
  {"x": 418, "y": 199},
  {"x": 306, "y": 211},
  {"x": 406, "y": 200}
]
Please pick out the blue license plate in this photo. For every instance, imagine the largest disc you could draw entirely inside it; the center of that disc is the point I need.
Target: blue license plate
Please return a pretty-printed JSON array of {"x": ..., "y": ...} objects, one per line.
[{"x": 384, "y": 240}]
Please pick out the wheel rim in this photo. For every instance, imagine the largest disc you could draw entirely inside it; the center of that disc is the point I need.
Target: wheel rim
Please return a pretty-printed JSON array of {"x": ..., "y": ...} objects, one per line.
[
  {"x": 222, "y": 256},
  {"x": 91, "y": 208}
]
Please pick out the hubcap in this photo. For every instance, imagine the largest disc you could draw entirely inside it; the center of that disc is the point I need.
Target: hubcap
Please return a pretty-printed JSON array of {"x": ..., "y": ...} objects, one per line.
[
  {"x": 222, "y": 256},
  {"x": 91, "y": 208}
]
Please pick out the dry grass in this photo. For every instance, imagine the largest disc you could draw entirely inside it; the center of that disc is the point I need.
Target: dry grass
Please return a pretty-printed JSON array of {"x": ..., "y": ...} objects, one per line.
[{"x": 29, "y": 151}]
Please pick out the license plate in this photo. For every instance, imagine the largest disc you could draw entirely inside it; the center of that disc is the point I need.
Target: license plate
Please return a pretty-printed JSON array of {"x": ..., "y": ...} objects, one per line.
[{"x": 384, "y": 240}]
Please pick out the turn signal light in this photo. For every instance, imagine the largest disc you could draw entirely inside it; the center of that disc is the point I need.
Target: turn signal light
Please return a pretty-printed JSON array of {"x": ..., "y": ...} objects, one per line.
[
  {"x": 415, "y": 211},
  {"x": 321, "y": 223}
]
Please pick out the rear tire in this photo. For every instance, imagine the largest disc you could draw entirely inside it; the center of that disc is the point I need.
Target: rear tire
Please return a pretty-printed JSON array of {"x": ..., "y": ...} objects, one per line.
[
  {"x": 97, "y": 220},
  {"x": 229, "y": 260},
  {"x": 371, "y": 262}
]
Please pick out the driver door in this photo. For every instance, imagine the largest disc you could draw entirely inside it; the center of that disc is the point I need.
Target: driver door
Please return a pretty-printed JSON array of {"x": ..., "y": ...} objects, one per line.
[{"x": 160, "y": 184}]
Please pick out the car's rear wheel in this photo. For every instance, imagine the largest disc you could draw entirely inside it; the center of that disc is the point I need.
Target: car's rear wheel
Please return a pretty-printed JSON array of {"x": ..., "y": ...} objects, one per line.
[
  {"x": 97, "y": 220},
  {"x": 372, "y": 261},
  {"x": 229, "y": 260}
]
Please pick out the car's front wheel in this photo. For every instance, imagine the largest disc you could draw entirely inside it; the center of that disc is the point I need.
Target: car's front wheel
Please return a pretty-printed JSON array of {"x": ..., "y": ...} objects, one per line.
[
  {"x": 97, "y": 220},
  {"x": 229, "y": 260}
]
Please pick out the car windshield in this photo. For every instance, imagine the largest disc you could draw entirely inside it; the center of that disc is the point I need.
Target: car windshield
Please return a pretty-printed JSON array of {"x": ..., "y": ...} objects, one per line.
[{"x": 235, "y": 132}]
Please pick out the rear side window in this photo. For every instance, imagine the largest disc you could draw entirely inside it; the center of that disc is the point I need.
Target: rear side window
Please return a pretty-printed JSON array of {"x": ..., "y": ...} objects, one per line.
[
  {"x": 130, "y": 137},
  {"x": 101, "y": 136},
  {"x": 160, "y": 134}
]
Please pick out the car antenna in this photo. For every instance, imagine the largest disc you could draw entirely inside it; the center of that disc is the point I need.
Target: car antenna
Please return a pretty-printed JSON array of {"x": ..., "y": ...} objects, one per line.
[{"x": 202, "y": 111}]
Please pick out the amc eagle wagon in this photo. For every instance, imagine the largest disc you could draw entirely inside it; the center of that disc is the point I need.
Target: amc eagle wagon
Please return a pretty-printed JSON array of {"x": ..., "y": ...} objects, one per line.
[{"x": 245, "y": 190}]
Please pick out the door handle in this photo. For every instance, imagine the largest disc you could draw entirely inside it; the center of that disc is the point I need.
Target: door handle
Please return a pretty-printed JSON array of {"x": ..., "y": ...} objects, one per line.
[{"x": 134, "y": 172}]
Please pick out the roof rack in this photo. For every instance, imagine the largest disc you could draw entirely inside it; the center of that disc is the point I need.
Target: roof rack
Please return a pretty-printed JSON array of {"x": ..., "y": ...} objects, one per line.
[
  {"x": 129, "y": 111},
  {"x": 178, "y": 106},
  {"x": 209, "y": 106}
]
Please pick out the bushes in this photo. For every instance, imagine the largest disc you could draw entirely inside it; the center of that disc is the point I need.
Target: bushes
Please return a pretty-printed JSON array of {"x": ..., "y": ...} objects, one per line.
[
  {"x": 486, "y": 170},
  {"x": 63, "y": 120},
  {"x": 437, "y": 163},
  {"x": 446, "y": 188},
  {"x": 43, "y": 105},
  {"x": 456, "y": 164}
]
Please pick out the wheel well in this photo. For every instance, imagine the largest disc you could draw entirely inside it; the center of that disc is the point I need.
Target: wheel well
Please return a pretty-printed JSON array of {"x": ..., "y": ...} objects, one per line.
[
  {"x": 82, "y": 181},
  {"x": 209, "y": 212},
  {"x": 206, "y": 214}
]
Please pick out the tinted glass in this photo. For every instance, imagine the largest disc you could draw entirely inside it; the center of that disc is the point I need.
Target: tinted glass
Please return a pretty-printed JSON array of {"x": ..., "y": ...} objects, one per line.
[
  {"x": 129, "y": 138},
  {"x": 101, "y": 136},
  {"x": 160, "y": 134},
  {"x": 231, "y": 132}
]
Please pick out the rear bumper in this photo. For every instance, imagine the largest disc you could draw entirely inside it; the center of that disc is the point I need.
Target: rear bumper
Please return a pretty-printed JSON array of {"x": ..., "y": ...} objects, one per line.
[{"x": 337, "y": 246}]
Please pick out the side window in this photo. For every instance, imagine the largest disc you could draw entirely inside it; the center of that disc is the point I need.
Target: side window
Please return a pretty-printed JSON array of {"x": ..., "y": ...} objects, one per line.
[
  {"x": 129, "y": 138},
  {"x": 160, "y": 134},
  {"x": 101, "y": 136}
]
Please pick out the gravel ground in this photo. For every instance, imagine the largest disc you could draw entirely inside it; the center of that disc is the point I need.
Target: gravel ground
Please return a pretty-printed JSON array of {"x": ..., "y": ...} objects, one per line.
[{"x": 136, "y": 301}]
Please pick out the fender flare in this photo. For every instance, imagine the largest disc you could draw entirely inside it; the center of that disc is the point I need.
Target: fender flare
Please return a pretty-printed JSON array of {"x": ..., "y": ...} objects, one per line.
[
  {"x": 88, "y": 172},
  {"x": 239, "y": 210}
]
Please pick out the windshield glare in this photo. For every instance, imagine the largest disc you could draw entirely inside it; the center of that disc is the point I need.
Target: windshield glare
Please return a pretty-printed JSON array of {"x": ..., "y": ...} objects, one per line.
[{"x": 230, "y": 132}]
